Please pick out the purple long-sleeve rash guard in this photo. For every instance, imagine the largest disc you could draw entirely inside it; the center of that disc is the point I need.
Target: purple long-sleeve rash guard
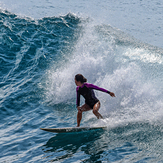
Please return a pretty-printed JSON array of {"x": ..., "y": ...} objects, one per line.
[{"x": 86, "y": 90}]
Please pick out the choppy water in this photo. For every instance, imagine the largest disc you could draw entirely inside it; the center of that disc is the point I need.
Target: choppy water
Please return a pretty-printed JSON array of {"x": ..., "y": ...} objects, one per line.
[{"x": 38, "y": 61}]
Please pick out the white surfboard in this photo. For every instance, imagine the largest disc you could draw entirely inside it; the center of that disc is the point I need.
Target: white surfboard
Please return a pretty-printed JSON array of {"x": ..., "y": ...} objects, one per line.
[{"x": 72, "y": 129}]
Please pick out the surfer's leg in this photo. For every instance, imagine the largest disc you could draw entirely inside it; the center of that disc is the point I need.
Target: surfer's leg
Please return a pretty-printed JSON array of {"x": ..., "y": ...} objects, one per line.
[
  {"x": 95, "y": 110},
  {"x": 85, "y": 107},
  {"x": 79, "y": 117}
]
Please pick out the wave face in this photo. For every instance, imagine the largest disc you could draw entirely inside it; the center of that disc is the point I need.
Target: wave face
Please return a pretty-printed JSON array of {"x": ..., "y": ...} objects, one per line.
[{"x": 38, "y": 62}]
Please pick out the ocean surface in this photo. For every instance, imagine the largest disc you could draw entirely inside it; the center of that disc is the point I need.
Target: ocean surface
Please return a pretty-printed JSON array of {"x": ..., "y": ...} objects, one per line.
[{"x": 117, "y": 45}]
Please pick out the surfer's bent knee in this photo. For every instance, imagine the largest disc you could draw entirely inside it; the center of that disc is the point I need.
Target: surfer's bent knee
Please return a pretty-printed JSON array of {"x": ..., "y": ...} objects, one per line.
[{"x": 96, "y": 106}]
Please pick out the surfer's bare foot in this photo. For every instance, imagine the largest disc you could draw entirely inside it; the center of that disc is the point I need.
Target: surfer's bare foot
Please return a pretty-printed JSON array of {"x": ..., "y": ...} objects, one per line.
[{"x": 101, "y": 117}]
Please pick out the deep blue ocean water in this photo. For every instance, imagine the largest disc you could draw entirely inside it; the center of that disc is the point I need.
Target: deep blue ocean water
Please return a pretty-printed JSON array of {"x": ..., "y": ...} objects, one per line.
[{"x": 115, "y": 45}]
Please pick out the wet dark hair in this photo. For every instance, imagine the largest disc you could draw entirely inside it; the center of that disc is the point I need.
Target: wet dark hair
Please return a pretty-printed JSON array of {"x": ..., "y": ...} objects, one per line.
[{"x": 81, "y": 78}]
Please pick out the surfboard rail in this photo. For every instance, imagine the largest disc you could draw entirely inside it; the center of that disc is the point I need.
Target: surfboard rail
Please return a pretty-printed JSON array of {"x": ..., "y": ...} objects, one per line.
[{"x": 72, "y": 129}]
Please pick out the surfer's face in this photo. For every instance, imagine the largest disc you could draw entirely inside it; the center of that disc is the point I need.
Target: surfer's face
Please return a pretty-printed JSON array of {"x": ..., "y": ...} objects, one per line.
[{"x": 78, "y": 83}]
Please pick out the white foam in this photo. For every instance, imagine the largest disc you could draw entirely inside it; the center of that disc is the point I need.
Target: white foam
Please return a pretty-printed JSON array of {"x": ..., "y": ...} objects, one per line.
[{"x": 107, "y": 64}]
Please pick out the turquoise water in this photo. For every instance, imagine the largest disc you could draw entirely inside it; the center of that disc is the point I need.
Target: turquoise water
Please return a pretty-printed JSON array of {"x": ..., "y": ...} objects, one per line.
[{"x": 43, "y": 46}]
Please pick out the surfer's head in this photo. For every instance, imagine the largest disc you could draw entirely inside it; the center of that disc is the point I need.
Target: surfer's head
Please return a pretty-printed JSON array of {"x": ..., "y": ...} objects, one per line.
[{"x": 80, "y": 78}]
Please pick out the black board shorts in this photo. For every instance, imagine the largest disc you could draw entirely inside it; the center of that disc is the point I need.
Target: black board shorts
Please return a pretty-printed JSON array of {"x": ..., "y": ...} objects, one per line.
[{"x": 92, "y": 103}]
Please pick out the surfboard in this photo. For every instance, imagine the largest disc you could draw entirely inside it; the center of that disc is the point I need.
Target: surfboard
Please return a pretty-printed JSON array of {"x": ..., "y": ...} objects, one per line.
[{"x": 72, "y": 129}]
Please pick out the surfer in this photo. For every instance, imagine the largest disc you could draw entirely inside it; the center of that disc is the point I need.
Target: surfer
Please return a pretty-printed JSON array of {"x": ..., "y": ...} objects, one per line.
[{"x": 91, "y": 101}]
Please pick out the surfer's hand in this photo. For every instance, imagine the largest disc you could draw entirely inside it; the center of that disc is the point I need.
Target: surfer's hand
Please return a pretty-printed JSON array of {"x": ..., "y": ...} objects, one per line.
[
  {"x": 112, "y": 94},
  {"x": 79, "y": 109}
]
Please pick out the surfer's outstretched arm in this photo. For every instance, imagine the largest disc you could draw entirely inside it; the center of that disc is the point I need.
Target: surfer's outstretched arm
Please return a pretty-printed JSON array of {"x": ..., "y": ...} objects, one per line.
[{"x": 100, "y": 89}]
